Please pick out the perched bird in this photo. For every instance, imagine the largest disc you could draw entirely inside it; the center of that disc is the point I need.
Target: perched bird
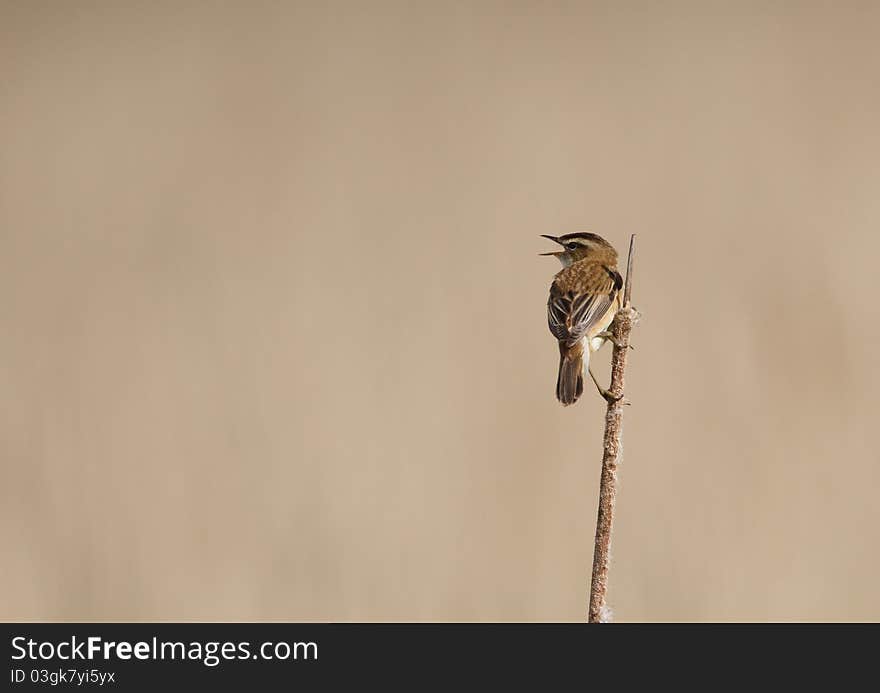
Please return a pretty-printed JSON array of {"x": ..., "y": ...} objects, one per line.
[{"x": 584, "y": 297}]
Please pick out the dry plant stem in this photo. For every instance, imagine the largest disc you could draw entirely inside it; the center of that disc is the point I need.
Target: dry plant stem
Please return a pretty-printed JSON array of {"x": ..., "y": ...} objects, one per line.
[{"x": 620, "y": 329}]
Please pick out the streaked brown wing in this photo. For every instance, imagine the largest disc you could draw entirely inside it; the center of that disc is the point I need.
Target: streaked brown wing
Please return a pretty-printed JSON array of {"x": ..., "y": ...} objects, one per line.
[{"x": 577, "y": 302}]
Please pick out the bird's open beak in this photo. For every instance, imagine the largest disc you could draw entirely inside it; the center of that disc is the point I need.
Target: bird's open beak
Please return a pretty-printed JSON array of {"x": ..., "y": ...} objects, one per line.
[{"x": 555, "y": 240}]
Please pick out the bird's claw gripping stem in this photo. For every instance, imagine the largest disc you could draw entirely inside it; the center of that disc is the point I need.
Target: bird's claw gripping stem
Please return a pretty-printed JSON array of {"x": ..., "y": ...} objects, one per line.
[{"x": 606, "y": 334}]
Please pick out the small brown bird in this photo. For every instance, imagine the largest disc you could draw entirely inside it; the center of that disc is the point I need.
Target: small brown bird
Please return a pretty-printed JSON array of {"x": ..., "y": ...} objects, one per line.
[{"x": 584, "y": 297}]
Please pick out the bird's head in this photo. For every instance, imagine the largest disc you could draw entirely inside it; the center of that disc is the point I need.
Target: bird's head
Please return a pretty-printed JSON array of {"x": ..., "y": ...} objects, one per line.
[{"x": 578, "y": 246}]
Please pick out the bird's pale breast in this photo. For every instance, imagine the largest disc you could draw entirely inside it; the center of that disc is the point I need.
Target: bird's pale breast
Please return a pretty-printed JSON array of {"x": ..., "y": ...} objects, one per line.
[{"x": 595, "y": 343}]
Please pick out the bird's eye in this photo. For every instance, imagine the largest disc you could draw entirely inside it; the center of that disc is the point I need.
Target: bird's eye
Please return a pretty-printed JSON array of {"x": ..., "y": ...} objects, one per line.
[{"x": 571, "y": 246}]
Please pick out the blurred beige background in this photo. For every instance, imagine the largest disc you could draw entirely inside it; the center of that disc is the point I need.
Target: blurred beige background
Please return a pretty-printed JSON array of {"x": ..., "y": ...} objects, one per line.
[{"x": 272, "y": 320}]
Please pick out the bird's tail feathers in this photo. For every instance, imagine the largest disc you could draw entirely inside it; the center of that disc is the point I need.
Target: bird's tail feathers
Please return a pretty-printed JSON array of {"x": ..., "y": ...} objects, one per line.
[{"x": 570, "y": 381}]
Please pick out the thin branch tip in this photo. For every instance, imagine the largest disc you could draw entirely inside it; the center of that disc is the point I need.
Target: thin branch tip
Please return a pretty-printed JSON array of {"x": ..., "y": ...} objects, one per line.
[{"x": 627, "y": 291}]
